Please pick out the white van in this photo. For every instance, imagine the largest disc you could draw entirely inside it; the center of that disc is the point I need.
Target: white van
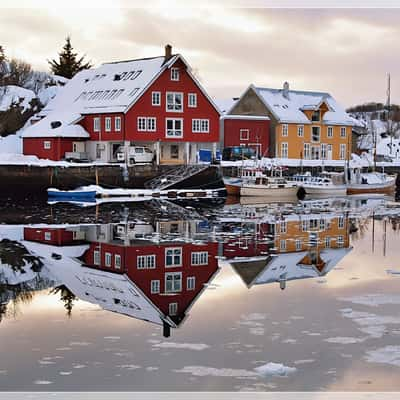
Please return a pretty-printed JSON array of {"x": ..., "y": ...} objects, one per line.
[{"x": 136, "y": 154}]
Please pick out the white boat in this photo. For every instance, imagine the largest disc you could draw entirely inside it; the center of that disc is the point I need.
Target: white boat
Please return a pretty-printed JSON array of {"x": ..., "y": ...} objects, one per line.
[
  {"x": 247, "y": 175},
  {"x": 326, "y": 184},
  {"x": 270, "y": 187},
  {"x": 371, "y": 182}
]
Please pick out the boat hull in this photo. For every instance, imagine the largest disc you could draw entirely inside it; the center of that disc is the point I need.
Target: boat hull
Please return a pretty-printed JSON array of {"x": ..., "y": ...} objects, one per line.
[
  {"x": 71, "y": 195},
  {"x": 232, "y": 186},
  {"x": 258, "y": 190},
  {"x": 387, "y": 187},
  {"x": 334, "y": 190}
]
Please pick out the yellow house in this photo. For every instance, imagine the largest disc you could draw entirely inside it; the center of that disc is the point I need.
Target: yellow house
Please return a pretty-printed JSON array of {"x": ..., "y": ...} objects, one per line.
[{"x": 304, "y": 125}]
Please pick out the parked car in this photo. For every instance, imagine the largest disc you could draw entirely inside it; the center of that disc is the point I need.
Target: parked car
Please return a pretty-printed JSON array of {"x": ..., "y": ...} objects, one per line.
[
  {"x": 235, "y": 153},
  {"x": 136, "y": 154}
]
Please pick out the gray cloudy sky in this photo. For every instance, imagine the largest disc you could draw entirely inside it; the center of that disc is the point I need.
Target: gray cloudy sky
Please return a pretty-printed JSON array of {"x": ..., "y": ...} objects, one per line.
[{"x": 347, "y": 52}]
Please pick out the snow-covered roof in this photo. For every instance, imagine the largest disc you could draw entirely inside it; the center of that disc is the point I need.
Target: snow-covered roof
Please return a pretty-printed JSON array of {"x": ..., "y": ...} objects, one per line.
[
  {"x": 57, "y": 124},
  {"x": 225, "y": 105},
  {"x": 15, "y": 95},
  {"x": 289, "y": 109},
  {"x": 112, "y": 87}
]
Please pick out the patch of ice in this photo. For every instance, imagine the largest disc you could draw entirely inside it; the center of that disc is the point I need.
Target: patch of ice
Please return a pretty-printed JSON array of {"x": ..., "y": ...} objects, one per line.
[
  {"x": 258, "y": 331},
  {"x": 345, "y": 340},
  {"x": 79, "y": 366},
  {"x": 42, "y": 382},
  {"x": 189, "y": 346},
  {"x": 273, "y": 369},
  {"x": 151, "y": 368},
  {"x": 65, "y": 373},
  {"x": 80, "y": 343},
  {"x": 299, "y": 362},
  {"x": 374, "y": 331},
  {"x": 373, "y": 300},
  {"x": 384, "y": 355},
  {"x": 289, "y": 341},
  {"x": 129, "y": 367},
  {"x": 45, "y": 362},
  {"x": 197, "y": 370},
  {"x": 63, "y": 348}
]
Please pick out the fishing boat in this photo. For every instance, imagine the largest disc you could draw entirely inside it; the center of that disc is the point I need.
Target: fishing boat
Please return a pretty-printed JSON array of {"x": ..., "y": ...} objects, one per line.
[
  {"x": 270, "y": 187},
  {"x": 371, "y": 182},
  {"x": 325, "y": 184},
  {"x": 246, "y": 175},
  {"x": 71, "y": 195}
]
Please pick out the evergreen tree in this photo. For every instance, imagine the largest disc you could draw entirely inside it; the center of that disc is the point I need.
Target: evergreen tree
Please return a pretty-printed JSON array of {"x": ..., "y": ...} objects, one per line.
[
  {"x": 69, "y": 63},
  {"x": 2, "y": 55}
]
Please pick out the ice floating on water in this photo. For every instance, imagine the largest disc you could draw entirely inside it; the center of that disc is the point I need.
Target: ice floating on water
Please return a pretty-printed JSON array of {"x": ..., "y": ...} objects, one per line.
[
  {"x": 190, "y": 346},
  {"x": 385, "y": 355},
  {"x": 273, "y": 369}
]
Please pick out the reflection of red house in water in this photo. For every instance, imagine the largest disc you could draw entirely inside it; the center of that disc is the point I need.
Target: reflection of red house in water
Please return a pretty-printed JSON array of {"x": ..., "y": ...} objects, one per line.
[{"x": 170, "y": 275}]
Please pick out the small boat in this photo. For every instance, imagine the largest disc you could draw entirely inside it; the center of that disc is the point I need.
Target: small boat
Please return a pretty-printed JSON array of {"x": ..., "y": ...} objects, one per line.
[
  {"x": 246, "y": 175},
  {"x": 270, "y": 187},
  {"x": 371, "y": 182},
  {"x": 321, "y": 185},
  {"x": 76, "y": 194}
]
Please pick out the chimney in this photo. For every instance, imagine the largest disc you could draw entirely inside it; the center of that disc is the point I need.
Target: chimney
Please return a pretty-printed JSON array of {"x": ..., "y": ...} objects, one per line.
[
  {"x": 168, "y": 52},
  {"x": 285, "y": 91}
]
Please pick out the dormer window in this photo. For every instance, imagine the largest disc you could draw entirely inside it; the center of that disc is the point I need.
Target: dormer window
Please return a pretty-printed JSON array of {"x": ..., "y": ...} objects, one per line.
[
  {"x": 174, "y": 74},
  {"x": 316, "y": 116}
]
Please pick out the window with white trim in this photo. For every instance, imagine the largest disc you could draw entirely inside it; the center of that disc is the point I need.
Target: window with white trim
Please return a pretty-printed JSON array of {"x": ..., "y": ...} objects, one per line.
[
  {"x": 327, "y": 242},
  {"x": 174, "y": 74},
  {"x": 190, "y": 282},
  {"x": 315, "y": 133},
  {"x": 141, "y": 124},
  {"x": 108, "y": 259},
  {"x": 47, "y": 145},
  {"x": 323, "y": 151},
  {"x": 329, "y": 133},
  {"x": 117, "y": 124},
  {"x": 173, "y": 282},
  {"x": 342, "y": 131},
  {"x": 285, "y": 129},
  {"x": 117, "y": 261},
  {"x": 342, "y": 151},
  {"x": 304, "y": 225},
  {"x": 340, "y": 241},
  {"x": 174, "y": 127},
  {"x": 192, "y": 100},
  {"x": 283, "y": 245},
  {"x": 155, "y": 98},
  {"x": 96, "y": 124},
  {"x": 108, "y": 124},
  {"x": 96, "y": 257},
  {"x": 306, "y": 151},
  {"x": 47, "y": 236},
  {"x": 199, "y": 258},
  {"x": 155, "y": 286},
  {"x": 300, "y": 130},
  {"x": 146, "y": 262},
  {"x": 172, "y": 309},
  {"x": 244, "y": 134},
  {"x": 173, "y": 257},
  {"x": 298, "y": 244},
  {"x": 283, "y": 227},
  {"x": 174, "y": 102},
  {"x": 151, "y": 124},
  {"x": 200, "y": 125},
  {"x": 284, "y": 150},
  {"x": 341, "y": 222}
]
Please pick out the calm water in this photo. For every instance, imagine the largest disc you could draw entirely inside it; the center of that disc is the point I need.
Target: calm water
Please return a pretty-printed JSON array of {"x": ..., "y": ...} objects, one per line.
[{"x": 200, "y": 296}]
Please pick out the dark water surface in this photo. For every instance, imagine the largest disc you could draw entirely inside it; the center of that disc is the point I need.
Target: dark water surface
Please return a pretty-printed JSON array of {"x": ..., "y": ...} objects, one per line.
[{"x": 200, "y": 296}]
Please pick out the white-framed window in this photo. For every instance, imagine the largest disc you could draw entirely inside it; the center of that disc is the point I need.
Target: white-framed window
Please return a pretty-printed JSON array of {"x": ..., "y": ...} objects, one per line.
[
  {"x": 284, "y": 150},
  {"x": 244, "y": 134},
  {"x": 283, "y": 226},
  {"x": 151, "y": 124},
  {"x": 141, "y": 124},
  {"x": 155, "y": 98},
  {"x": 323, "y": 151},
  {"x": 329, "y": 131},
  {"x": 313, "y": 223},
  {"x": 117, "y": 261},
  {"x": 315, "y": 133},
  {"x": 300, "y": 130},
  {"x": 298, "y": 244},
  {"x": 146, "y": 262},
  {"x": 282, "y": 244},
  {"x": 47, "y": 145},
  {"x": 190, "y": 282},
  {"x": 192, "y": 100},
  {"x": 117, "y": 124},
  {"x": 172, "y": 309},
  {"x": 173, "y": 257},
  {"x": 108, "y": 124},
  {"x": 96, "y": 124},
  {"x": 327, "y": 242},
  {"x": 199, "y": 258},
  {"x": 340, "y": 241},
  {"x": 174, "y": 74},
  {"x": 173, "y": 282},
  {"x": 342, "y": 131},
  {"x": 342, "y": 151},
  {"x": 108, "y": 257},
  {"x": 155, "y": 286},
  {"x": 174, "y": 102},
  {"x": 285, "y": 129},
  {"x": 341, "y": 222},
  {"x": 306, "y": 151},
  {"x": 304, "y": 225},
  {"x": 200, "y": 125},
  {"x": 174, "y": 127},
  {"x": 47, "y": 236},
  {"x": 96, "y": 257}
]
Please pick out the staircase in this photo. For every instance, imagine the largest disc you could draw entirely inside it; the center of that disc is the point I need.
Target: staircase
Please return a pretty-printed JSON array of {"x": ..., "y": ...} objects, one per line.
[{"x": 174, "y": 176}]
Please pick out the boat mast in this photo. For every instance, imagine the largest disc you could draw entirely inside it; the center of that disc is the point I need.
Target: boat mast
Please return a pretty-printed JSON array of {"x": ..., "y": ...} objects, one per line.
[{"x": 389, "y": 128}]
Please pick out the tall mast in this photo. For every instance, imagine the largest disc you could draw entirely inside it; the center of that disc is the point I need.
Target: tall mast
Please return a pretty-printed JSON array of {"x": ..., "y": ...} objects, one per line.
[{"x": 389, "y": 128}]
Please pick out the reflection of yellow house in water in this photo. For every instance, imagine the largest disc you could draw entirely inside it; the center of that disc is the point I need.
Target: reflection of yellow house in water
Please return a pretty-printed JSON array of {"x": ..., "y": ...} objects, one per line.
[{"x": 306, "y": 246}]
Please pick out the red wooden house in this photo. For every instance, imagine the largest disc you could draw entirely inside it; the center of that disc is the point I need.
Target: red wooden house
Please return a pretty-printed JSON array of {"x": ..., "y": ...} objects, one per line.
[{"x": 156, "y": 102}]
